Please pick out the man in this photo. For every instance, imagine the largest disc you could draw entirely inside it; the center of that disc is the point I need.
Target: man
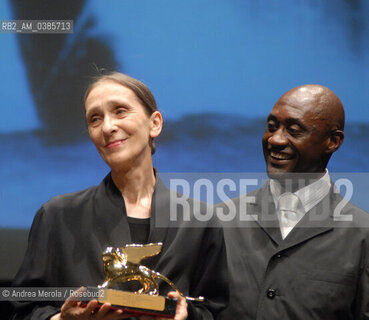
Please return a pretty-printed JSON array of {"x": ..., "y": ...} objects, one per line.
[{"x": 304, "y": 254}]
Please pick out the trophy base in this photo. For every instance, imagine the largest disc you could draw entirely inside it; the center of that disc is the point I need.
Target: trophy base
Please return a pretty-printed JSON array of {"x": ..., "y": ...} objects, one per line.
[{"x": 134, "y": 303}]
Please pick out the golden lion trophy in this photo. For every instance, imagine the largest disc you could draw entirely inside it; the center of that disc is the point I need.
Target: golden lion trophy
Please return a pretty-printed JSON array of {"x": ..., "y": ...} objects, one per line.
[{"x": 122, "y": 265}]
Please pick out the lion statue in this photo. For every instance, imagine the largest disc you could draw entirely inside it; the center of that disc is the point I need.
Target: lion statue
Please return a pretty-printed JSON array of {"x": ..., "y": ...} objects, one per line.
[{"x": 123, "y": 264}]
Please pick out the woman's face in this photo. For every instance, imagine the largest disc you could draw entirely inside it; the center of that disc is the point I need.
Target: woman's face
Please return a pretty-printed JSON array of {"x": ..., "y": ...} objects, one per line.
[{"x": 118, "y": 124}]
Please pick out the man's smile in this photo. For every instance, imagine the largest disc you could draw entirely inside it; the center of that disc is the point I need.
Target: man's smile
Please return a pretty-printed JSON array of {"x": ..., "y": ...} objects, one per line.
[{"x": 279, "y": 155}]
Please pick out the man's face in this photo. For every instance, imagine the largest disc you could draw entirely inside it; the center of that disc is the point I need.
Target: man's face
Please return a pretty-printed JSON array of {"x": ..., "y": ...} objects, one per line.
[{"x": 295, "y": 140}]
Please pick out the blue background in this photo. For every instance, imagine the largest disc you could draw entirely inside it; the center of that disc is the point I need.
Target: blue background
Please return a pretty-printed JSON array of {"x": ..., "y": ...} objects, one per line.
[{"x": 215, "y": 67}]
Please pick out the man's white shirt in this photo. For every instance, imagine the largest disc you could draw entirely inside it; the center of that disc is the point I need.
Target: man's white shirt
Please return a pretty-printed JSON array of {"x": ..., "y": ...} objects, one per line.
[{"x": 291, "y": 207}]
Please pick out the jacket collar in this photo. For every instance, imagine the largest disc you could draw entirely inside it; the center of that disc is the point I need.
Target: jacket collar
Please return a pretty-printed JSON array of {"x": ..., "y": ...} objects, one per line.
[
  {"x": 316, "y": 221},
  {"x": 116, "y": 208}
]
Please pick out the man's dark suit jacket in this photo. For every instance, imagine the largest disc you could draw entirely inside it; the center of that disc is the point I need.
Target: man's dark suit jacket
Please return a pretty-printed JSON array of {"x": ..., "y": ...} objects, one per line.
[
  {"x": 319, "y": 271},
  {"x": 71, "y": 231}
]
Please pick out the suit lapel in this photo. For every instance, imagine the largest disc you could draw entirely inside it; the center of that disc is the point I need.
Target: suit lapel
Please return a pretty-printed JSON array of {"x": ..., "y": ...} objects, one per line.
[
  {"x": 317, "y": 221},
  {"x": 265, "y": 213}
]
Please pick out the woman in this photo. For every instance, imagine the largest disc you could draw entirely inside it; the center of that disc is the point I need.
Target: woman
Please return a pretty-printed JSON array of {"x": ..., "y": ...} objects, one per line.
[{"x": 71, "y": 231}]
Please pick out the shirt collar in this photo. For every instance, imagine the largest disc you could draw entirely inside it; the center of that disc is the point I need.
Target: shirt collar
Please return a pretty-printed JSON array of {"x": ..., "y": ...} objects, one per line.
[{"x": 309, "y": 195}]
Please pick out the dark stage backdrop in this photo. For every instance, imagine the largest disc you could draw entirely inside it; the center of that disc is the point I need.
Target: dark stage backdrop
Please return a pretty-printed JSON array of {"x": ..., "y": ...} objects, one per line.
[{"x": 215, "y": 67}]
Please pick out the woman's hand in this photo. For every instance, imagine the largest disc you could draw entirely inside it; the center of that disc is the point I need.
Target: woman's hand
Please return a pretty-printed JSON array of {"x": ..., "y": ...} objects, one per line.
[
  {"x": 181, "y": 310},
  {"x": 77, "y": 310}
]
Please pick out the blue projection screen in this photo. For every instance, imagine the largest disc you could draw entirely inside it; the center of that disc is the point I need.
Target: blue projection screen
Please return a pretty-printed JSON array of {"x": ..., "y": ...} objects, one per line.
[{"x": 215, "y": 67}]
